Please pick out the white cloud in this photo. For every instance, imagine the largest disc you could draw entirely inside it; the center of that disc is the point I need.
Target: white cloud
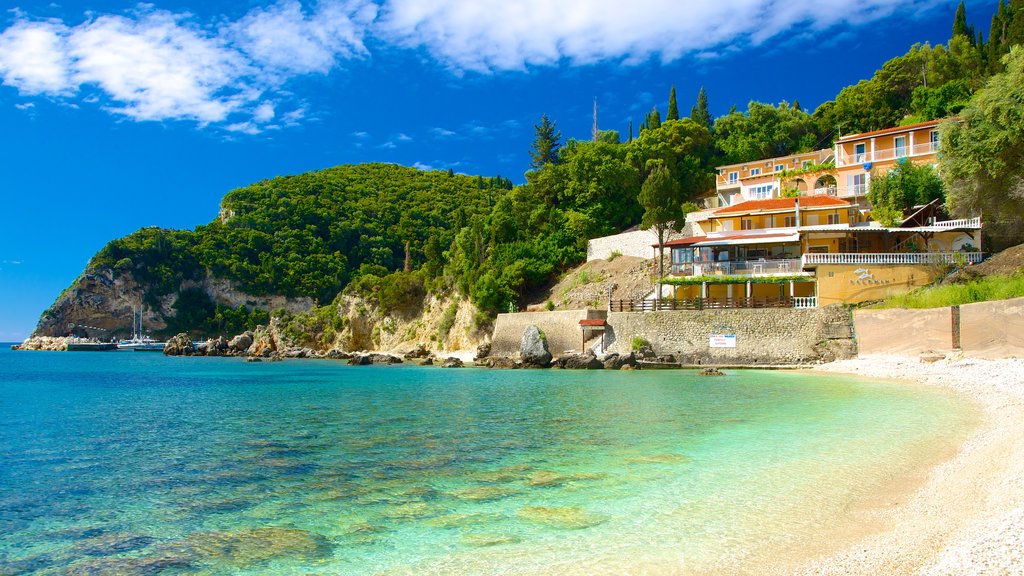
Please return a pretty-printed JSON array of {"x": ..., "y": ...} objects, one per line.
[
  {"x": 487, "y": 35},
  {"x": 403, "y": 137},
  {"x": 361, "y": 134},
  {"x": 281, "y": 38},
  {"x": 33, "y": 58},
  {"x": 422, "y": 166},
  {"x": 442, "y": 133},
  {"x": 151, "y": 64},
  {"x": 25, "y": 106}
]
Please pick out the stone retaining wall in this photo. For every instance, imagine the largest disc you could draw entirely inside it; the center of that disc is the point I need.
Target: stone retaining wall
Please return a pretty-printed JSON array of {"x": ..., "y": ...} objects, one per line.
[
  {"x": 561, "y": 329},
  {"x": 763, "y": 336},
  {"x": 639, "y": 243},
  {"x": 987, "y": 330}
]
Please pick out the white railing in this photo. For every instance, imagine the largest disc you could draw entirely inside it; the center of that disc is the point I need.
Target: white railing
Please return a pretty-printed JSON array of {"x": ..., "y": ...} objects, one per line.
[
  {"x": 891, "y": 258},
  {"x": 805, "y": 302},
  {"x": 851, "y": 191},
  {"x": 737, "y": 267},
  {"x": 826, "y": 191},
  {"x": 961, "y": 223},
  {"x": 887, "y": 154}
]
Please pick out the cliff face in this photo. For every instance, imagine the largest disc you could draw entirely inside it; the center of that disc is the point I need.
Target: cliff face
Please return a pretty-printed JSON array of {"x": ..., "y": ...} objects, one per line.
[{"x": 100, "y": 303}]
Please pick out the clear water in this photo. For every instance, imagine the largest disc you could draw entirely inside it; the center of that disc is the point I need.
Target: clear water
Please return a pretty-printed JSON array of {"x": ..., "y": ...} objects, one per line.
[{"x": 130, "y": 463}]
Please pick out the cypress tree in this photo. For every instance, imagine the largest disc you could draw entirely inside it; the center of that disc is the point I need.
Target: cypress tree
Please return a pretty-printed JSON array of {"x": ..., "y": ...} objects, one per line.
[
  {"x": 545, "y": 143},
  {"x": 673, "y": 106},
  {"x": 630, "y": 129},
  {"x": 700, "y": 113},
  {"x": 654, "y": 118},
  {"x": 960, "y": 23}
]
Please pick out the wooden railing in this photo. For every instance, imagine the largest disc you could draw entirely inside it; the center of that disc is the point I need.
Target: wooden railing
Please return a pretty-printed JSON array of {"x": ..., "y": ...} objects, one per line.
[
  {"x": 669, "y": 304},
  {"x": 892, "y": 258}
]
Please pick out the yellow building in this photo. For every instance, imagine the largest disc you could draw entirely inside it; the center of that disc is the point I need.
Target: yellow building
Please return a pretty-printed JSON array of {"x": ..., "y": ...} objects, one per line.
[{"x": 858, "y": 155}]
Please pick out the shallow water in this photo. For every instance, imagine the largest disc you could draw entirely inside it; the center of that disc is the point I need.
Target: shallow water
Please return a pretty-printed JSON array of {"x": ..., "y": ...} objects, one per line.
[{"x": 138, "y": 464}]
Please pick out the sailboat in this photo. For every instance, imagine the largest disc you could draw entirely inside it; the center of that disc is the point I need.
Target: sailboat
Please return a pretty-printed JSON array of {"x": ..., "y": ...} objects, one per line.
[{"x": 140, "y": 342}]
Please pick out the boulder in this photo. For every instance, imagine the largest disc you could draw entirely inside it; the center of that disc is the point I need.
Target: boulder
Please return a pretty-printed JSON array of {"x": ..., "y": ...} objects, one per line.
[
  {"x": 180, "y": 345},
  {"x": 645, "y": 352},
  {"x": 359, "y": 360},
  {"x": 335, "y": 354},
  {"x": 533, "y": 348},
  {"x": 452, "y": 363},
  {"x": 483, "y": 351},
  {"x": 419, "y": 352},
  {"x": 578, "y": 362},
  {"x": 500, "y": 362},
  {"x": 619, "y": 361},
  {"x": 428, "y": 361},
  {"x": 378, "y": 358},
  {"x": 711, "y": 371},
  {"x": 240, "y": 343}
]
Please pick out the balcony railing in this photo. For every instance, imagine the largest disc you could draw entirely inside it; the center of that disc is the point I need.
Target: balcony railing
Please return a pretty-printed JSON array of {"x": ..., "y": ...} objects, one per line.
[
  {"x": 668, "y": 304},
  {"x": 961, "y": 223},
  {"x": 887, "y": 154},
  {"x": 737, "y": 267},
  {"x": 825, "y": 191},
  {"x": 892, "y": 258}
]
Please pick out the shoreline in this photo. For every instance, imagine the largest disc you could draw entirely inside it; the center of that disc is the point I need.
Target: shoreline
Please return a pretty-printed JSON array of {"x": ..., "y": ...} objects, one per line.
[{"x": 962, "y": 515}]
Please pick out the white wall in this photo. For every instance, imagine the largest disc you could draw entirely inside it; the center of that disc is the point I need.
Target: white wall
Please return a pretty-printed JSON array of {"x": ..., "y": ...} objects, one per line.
[{"x": 639, "y": 243}]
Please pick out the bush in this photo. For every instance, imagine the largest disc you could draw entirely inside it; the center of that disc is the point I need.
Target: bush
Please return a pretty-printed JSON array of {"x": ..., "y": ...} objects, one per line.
[
  {"x": 638, "y": 343},
  {"x": 447, "y": 321},
  {"x": 615, "y": 254}
]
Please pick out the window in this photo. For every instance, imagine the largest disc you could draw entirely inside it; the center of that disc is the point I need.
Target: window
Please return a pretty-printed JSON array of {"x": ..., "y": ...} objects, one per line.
[
  {"x": 780, "y": 167},
  {"x": 857, "y": 184},
  {"x": 746, "y": 224},
  {"x": 900, "y": 143},
  {"x": 818, "y": 249},
  {"x": 734, "y": 177},
  {"x": 755, "y": 171},
  {"x": 934, "y": 139},
  {"x": 790, "y": 221},
  {"x": 859, "y": 154},
  {"x": 762, "y": 192},
  {"x": 833, "y": 218}
]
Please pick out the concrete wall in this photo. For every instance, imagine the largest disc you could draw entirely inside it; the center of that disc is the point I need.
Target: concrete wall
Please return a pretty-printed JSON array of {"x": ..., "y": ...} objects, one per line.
[
  {"x": 987, "y": 330},
  {"x": 763, "y": 336},
  {"x": 850, "y": 283},
  {"x": 639, "y": 243},
  {"x": 562, "y": 330}
]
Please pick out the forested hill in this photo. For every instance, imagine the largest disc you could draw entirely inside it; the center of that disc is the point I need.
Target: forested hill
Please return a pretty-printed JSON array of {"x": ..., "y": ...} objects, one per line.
[{"x": 311, "y": 234}]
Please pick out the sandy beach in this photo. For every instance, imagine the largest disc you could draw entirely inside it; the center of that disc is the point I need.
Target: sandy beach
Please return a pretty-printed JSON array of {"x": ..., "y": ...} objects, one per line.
[{"x": 966, "y": 516}]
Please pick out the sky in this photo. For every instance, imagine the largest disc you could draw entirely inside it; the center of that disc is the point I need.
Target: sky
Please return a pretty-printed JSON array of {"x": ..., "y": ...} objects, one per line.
[{"x": 117, "y": 115}]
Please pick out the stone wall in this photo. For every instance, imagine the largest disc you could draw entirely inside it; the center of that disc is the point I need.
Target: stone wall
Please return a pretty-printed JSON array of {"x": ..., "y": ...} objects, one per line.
[
  {"x": 639, "y": 243},
  {"x": 987, "y": 330},
  {"x": 763, "y": 336},
  {"x": 561, "y": 329}
]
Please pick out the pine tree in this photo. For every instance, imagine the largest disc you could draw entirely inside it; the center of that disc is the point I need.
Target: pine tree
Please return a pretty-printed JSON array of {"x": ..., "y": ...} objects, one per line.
[
  {"x": 700, "y": 113},
  {"x": 653, "y": 119},
  {"x": 673, "y": 106},
  {"x": 545, "y": 144},
  {"x": 960, "y": 27}
]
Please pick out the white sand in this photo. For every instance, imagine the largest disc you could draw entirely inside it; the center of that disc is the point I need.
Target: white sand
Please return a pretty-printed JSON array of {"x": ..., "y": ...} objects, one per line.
[{"x": 968, "y": 516}]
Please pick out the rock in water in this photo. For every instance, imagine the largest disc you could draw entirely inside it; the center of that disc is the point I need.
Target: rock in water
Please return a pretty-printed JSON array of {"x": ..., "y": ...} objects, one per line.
[
  {"x": 618, "y": 361},
  {"x": 578, "y": 362},
  {"x": 534, "y": 348},
  {"x": 180, "y": 345},
  {"x": 241, "y": 343},
  {"x": 483, "y": 351},
  {"x": 711, "y": 372},
  {"x": 452, "y": 362}
]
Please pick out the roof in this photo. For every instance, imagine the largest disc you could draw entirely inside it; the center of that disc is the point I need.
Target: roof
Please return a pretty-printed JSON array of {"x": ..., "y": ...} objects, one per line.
[
  {"x": 893, "y": 130},
  {"x": 592, "y": 323},
  {"x": 784, "y": 205}
]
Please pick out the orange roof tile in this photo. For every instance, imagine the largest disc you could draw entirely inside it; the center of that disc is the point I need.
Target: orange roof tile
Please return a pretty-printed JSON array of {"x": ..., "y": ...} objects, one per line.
[{"x": 783, "y": 204}]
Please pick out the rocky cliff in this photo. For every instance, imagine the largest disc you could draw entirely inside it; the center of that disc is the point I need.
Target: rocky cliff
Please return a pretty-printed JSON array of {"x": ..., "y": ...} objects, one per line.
[{"x": 101, "y": 301}]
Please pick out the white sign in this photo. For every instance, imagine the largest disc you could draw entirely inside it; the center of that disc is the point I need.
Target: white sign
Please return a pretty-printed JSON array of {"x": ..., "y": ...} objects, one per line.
[{"x": 722, "y": 341}]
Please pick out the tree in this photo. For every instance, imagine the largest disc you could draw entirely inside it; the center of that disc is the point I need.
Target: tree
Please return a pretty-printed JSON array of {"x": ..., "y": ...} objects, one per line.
[
  {"x": 700, "y": 113},
  {"x": 905, "y": 186},
  {"x": 960, "y": 27},
  {"x": 673, "y": 106},
  {"x": 544, "y": 149},
  {"x": 764, "y": 131},
  {"x": 662, "y": 200},
  {"x": 981, "y": 157},
  {"x": 652, "y": 121}
]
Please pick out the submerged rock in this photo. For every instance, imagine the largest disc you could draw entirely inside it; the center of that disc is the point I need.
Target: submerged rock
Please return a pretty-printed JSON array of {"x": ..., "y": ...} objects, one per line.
[
  {"x": 484, "y": 493},
  {"x": 248, "y": 547},
  {"x": 482, "y": 540},
  {"x": 564, "y": 518}
]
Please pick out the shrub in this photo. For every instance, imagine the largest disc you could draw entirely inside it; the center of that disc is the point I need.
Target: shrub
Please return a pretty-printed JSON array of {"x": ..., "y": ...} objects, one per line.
[
  {"x": 615, "y": 254},
  {"x": 638, "y": 343}
]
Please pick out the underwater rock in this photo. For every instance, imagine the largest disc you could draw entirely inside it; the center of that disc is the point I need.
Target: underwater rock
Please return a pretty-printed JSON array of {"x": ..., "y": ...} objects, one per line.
[
  {"x": 484, "y": 540},
  {"x": 563, "y": 518},
  {"x": 249, "y": 546},
  {"x": 710, "y": 372},
  {"x": 111, "y": 544},
  {"x": 483, "y": 493}
]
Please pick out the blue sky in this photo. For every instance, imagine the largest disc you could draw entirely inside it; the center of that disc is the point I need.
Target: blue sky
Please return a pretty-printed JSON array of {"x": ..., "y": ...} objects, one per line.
[{"x": 117, "y": 115}]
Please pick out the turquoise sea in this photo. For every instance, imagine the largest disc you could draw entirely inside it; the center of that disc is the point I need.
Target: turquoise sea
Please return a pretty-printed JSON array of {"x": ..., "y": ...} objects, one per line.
[{"x": 129, "y": 463}]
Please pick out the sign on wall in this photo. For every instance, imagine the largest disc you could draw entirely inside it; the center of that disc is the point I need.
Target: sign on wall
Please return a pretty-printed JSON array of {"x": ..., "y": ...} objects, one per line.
[{"x": 722, "y": 341}]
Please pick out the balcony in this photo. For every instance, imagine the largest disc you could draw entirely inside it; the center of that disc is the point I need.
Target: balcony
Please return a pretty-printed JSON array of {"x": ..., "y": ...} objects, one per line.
[
  {"x": 670, "y": 304},
  {"x": 826, "y": 191},
  {"x": 751, "y": 268},
  {"x": 846, "y": 159},
  {"x": 893, "y": 258}
]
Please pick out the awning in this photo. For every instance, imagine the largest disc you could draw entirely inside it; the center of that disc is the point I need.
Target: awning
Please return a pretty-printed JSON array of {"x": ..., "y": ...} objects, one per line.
[{"x": 774, "y": 239}]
